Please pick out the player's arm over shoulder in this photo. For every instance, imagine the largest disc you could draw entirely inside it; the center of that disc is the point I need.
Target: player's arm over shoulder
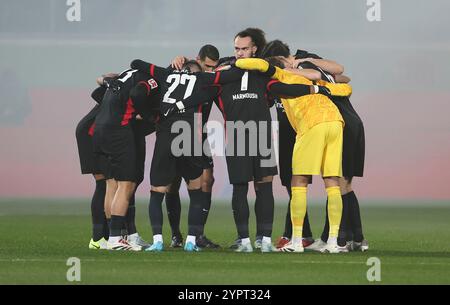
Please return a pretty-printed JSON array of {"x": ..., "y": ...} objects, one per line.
[{"x": 155, "y": 71}]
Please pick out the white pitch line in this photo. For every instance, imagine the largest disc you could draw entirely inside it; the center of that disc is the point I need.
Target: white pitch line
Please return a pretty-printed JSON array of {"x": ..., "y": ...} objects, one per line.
[{"x": 151, "y": 260}]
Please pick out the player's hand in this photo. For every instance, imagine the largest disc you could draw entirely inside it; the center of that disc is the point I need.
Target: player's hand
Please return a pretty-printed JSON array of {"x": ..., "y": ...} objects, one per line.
[
  {"x": 101, "y": 79},
  {"x": 295, "y": 63},
  {"x": 111, "y": 75},
  {"x": 112, "y": 83},
  {"x": 222, "y": 68},
  {"x": 178, "y": 62},
  {"x": 257, "y": 64}
]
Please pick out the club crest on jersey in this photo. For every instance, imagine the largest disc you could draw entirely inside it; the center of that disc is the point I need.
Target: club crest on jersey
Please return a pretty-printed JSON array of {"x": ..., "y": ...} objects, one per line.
[
  {"x": 243, "y": 96},
  {"x": 153, "y": 84}
]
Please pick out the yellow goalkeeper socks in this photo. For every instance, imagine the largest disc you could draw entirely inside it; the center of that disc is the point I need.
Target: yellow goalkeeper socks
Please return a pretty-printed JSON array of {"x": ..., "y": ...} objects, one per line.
[
  {"x": 334, "y": 210},
  {"x": 298, "y": 210}
]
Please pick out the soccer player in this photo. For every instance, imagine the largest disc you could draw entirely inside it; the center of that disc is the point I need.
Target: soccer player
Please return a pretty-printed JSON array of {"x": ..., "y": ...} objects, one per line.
[
  {"x": 287, "y": 134},
  {"x": 131, "y": 93},
  {"x": 249, "y": 43},
  {"x": 318, "y": 149},
  {"x": 353, "y": 148},
  {"x": 97, "y": 165},
  {"x": 350, "y": 232},
  {"x": 166, "y": 165},
  {"x": 207, "y": 58},
  {"x": 100, "y": 231}
]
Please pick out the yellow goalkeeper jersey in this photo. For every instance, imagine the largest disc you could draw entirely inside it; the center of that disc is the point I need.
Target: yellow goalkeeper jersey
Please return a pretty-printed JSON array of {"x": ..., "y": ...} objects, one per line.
[{"x": 307, "y": 111}]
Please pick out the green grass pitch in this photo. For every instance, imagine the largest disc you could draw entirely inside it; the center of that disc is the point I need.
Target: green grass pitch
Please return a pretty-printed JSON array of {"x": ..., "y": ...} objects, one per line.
[{"x": 38, "y": 236}]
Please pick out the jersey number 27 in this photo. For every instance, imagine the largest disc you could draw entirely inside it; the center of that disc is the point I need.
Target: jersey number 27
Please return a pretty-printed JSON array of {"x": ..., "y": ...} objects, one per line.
[{"x": 175, "y": 80}]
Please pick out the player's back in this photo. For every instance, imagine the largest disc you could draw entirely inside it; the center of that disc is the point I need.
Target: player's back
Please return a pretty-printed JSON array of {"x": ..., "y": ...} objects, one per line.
[
  {"x": 117, "y": 108},
  {"x": 306, "y": 111},
  {"x": 245, "y": 100},
  {"x": 179, "y": 86}
]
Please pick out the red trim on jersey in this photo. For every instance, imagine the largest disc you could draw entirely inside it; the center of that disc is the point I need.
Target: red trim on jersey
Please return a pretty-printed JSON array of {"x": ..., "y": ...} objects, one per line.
[
  {"x": 91, "y": 129},
  {"x": 152, "y": 70},
  {"x": 220, "y": 89},
  {"x": 222, "y": 108},
  {"x": 216, "y": 80},
  {"x": 146, "y": 85},
  {"x": 270, "y": 83},
  {"x": 128, "y": 112}
]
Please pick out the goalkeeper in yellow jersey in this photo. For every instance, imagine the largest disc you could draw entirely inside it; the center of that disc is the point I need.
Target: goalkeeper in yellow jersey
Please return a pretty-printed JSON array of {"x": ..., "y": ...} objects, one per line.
[{"x": 317, "y": 150}]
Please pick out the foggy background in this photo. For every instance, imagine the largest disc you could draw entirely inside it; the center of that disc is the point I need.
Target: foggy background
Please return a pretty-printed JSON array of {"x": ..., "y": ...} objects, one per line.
[{"x": 399, "y": 69}]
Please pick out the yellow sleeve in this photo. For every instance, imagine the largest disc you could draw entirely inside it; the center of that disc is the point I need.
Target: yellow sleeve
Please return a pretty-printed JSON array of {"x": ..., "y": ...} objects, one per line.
[
  {"x": 252, "y": 64},
  {"x": 289, "y": 77},
  {"x": 337, "y": 89}
]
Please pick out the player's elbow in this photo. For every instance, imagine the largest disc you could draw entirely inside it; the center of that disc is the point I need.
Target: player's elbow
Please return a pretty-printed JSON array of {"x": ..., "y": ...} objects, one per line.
[
  {"x": 339, "y": 69},
  {"x": 315, "y": 75},
  {"x": 137, "y": 64}
]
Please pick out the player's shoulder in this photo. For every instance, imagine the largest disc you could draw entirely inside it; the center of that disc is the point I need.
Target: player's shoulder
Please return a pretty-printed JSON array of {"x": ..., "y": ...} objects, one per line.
[{"x": 259, "y": 77}]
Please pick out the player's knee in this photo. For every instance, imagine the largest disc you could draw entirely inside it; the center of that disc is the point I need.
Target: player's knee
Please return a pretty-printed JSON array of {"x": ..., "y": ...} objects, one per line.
[
  {"x": 111, "y": 185},
  {"x": 207, "y": 184},
  {"x": 159, "y": 189},
  {"x": 266, "y": 179},
  {"x": 331, "y": 181},
  {"x": 126, "y": 187},
  {"x": 345, "y": 185},
  {"x": 195, "y": 184},
  {"x": 98, "y": 177},
  {"x": 300, "y": 180}
]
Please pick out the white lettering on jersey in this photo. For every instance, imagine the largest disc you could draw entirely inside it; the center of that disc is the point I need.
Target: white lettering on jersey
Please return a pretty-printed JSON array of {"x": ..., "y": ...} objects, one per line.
[{"x": 243, "y": 96}]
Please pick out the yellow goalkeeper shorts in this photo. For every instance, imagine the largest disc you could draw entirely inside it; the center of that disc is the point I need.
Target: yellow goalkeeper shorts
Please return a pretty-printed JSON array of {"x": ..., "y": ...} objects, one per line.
[{"x": 319, "y": 151}]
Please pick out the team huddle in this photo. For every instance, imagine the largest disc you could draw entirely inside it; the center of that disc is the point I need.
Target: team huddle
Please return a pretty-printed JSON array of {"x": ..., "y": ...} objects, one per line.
[{"x": 320, "y": 133}]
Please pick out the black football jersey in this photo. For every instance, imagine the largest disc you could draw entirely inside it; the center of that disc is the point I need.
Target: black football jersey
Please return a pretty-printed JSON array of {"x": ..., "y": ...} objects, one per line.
[
  {"x": 245, "y": 100},
  {"x": 179, "y": 86},
  {"x": 133, "y": 92}
]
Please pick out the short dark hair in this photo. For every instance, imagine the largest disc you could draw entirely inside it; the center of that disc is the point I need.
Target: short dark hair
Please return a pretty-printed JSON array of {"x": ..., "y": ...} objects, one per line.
[
  {"x": 275, "y": 61},
  {"x": 258, "y": 37},
  {"x": 191, "y": 65},
  {"x": 276, "y": 48},
  {"x": 209, "y": 51}
]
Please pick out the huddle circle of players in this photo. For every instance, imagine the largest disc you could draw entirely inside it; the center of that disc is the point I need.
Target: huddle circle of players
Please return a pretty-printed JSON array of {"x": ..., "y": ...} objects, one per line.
[{"x": 320, "y": 133}]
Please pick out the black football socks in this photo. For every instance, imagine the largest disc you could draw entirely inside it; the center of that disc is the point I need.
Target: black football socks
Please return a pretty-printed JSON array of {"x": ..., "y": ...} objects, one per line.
[
  {"x": 195, "y": 212},
  {"x": 355, "y": 217},
  {"x": 98, "y": 210},
  {"x": 206, "y": 206},
  {"x": 266, "y": 209},
  {"x": 131, "y": 216},
  {"x": 240, "y": 208},
  {"x": 173, "y": 206},
  {"x": 155, "y": 212}
]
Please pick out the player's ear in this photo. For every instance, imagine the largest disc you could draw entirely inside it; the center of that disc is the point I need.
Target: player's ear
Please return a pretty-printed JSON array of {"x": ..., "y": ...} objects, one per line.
[{"x": 254, "y": 50}]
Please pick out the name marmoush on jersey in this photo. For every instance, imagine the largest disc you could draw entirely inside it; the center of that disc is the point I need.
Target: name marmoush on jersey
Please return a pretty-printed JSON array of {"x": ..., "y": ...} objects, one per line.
[{"x": 243, "y": 96}]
